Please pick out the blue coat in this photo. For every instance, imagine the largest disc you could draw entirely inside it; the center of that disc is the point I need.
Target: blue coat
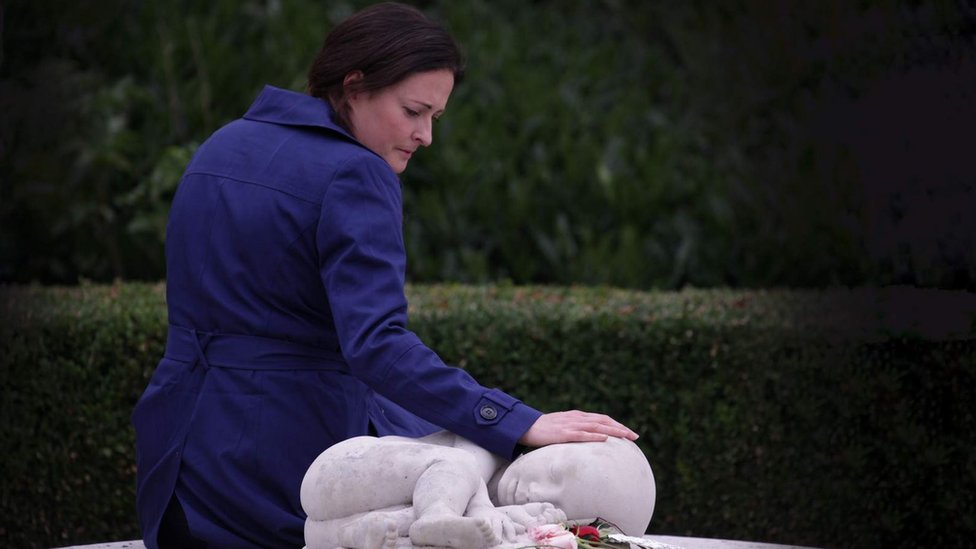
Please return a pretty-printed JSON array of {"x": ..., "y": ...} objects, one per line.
[{"x": 288, "y": 329}]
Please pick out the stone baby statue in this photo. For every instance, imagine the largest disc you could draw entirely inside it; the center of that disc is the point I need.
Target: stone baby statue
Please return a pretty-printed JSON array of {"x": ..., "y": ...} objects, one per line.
[
  {"x": 444, "y": 491},
  {"x": 366, "y": 492}
]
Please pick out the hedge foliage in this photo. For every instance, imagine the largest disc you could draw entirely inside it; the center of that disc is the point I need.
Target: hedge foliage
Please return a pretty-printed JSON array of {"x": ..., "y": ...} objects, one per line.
[
  {"x": 829, "y": 419},
  {"x": 604, "y": 142}
]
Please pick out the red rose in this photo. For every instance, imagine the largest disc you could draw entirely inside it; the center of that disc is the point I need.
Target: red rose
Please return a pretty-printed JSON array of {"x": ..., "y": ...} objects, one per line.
[{"x": 586, "y": 532}]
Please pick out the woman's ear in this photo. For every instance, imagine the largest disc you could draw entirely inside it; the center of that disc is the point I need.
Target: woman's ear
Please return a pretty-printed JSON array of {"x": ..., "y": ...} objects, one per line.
[{"x": 350, "y": 81}]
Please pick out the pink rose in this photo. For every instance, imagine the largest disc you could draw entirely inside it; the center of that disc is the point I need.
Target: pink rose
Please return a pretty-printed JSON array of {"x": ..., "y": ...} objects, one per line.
[{"x": 553, "y": 535}]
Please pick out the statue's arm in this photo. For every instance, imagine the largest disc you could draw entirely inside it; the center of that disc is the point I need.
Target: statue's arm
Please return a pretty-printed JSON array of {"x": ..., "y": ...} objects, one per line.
[
  {"x": 503, "y": 526},
  {"x": 533, "y": 513},
  {"x": 487, "y": 462},
  {"x": 511, "y": 520}
]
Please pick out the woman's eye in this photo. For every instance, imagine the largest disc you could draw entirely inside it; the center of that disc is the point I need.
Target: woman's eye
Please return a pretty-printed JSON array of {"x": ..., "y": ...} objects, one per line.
[{"x": 410, "y": 112}]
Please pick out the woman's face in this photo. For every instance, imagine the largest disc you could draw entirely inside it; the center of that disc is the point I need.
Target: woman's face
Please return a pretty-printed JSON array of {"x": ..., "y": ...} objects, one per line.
[{"x": 395, "y": 121}]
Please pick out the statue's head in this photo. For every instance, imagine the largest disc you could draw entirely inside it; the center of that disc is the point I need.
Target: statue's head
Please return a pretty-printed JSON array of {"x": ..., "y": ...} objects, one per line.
[{"x": 610, "y": 480}]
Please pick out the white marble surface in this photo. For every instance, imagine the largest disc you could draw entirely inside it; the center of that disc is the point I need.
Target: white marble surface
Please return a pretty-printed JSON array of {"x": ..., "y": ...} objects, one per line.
[
  {"x": 132, "y": 544},
  {"x": 709, "y": 543},
  {"x": 675, "y": 541}
]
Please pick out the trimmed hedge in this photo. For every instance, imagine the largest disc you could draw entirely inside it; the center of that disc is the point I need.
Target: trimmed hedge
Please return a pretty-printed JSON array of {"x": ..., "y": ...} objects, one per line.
[
  {"x": 830, "y": 419},
  {"x": 617, "y": 142}
]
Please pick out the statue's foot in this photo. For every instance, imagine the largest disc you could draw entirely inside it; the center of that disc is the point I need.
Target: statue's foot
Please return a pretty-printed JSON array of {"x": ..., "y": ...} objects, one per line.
[
  {"x": 373, "y": 531},
  {"x": 453, "y": 531},
  {"x": 381, "y": 535}
]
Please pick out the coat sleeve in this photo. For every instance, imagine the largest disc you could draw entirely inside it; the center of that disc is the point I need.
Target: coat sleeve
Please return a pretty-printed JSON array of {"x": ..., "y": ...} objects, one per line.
[{"x": 362, "y": 262}]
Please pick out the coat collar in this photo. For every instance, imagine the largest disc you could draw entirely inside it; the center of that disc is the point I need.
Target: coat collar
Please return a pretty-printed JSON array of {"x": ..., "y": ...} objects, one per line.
[{"x": 290, "y": 108}]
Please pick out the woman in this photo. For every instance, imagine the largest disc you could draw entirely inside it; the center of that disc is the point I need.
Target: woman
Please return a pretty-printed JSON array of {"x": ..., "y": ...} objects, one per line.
[{"x": 287, "y": 319}]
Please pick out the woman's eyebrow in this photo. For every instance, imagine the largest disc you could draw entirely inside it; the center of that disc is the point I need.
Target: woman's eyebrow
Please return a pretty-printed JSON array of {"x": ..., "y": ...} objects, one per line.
[
  {"x": 426, "y": 105},
  {"x": 417, "y": 101}
]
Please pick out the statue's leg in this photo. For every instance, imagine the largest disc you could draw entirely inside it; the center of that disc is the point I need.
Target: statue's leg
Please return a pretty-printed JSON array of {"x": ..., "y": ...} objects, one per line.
[
  {"x": 373, "y": 530},
  {"x": 440, "y": 497}
]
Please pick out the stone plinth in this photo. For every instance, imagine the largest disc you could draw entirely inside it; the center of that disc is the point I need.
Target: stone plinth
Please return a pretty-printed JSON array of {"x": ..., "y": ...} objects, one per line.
[{"x": 676, "y": 542}]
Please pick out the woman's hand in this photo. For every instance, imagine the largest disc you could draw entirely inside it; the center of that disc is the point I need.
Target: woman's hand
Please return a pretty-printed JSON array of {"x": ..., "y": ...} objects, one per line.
[{"x": 574, "y": 426}]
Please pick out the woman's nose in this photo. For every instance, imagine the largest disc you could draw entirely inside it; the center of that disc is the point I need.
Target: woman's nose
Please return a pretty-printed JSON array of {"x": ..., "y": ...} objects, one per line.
[{"x": 424, "y": 134}]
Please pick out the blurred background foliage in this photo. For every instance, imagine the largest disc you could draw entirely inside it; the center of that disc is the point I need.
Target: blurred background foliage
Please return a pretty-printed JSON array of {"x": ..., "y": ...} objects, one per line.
[{"x": 614, "y": 142}]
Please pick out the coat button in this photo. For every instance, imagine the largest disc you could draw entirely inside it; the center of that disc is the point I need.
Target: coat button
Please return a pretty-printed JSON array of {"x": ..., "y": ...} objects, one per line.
[{"x": 488, "y": 412}]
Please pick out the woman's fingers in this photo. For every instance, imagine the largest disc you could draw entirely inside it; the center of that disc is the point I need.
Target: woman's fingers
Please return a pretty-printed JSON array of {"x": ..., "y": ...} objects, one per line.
[{"x": 574, "y": 426}]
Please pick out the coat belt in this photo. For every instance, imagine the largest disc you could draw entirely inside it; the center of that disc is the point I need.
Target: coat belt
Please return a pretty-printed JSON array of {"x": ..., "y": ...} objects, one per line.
[{"x": 248, "y": 352}]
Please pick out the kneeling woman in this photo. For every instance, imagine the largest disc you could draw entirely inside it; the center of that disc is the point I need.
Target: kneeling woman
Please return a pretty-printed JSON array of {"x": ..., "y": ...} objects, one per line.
[{"x": 287, "y": 317}]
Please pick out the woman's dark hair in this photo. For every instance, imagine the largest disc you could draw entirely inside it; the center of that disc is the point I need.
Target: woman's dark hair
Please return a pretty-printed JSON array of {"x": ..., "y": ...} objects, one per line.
[{"x": 387, "y": 42}]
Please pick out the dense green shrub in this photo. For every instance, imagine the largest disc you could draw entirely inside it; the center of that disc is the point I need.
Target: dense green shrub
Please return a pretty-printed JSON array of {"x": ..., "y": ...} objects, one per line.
[
  {"x": 831, "y": 419},
  {"x": 615, "y": 142}
]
